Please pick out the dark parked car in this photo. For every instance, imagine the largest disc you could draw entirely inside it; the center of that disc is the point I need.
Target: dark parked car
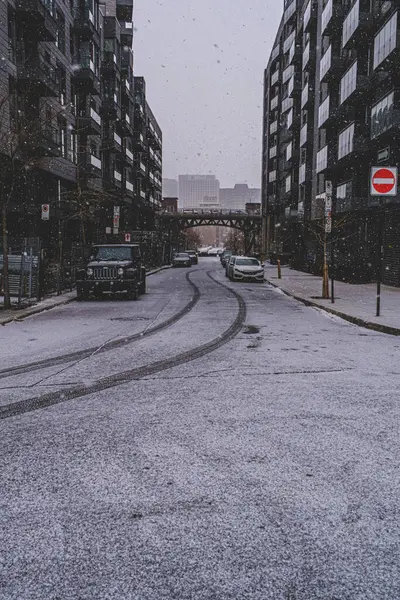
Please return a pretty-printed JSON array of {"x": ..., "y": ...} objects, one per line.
[
  {"x": 112, "y": 268},
  {"x": 225, "y": 257},
  {"x": 193, "y": 256},
  {"x": 182, "y": 260}
]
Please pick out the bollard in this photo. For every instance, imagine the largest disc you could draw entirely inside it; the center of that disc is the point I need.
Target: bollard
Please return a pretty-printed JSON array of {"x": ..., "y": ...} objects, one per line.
[{"x": 278, "y": 262}]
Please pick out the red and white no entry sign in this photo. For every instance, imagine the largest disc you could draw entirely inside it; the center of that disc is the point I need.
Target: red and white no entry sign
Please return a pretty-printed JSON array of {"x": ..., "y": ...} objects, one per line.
[{"x": 384, "y": 181}]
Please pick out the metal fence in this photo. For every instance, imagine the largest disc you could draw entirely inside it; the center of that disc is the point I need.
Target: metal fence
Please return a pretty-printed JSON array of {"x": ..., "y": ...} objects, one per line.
[{"x": 23, "y": 268}]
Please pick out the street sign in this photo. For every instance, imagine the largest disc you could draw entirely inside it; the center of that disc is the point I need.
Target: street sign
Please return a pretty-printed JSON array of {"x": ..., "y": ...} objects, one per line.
[
  {"x": 328, "y": 205},
  {"x": 384, "y": 181},
  {"x": 328, "y": 223},
  {"x": 45, "y": 212},
  {"x": 127, "y": 237},
  {"x": 328, "y": 187},
  {"x": 116, "y": 211}
]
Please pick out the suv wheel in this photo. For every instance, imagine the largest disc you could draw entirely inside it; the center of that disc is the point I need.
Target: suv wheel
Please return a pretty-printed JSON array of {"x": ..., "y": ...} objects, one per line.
[
  {"x": 81, "y": 294},
  {"x": 132, "y": 293}
]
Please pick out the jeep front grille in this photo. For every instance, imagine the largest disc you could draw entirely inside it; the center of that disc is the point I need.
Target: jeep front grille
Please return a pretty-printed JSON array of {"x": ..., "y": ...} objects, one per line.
[{"x": 105, "y": 273}]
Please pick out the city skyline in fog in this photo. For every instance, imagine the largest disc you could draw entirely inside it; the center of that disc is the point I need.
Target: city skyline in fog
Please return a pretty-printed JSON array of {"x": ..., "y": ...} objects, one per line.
[{"x": 204, "y": 71}]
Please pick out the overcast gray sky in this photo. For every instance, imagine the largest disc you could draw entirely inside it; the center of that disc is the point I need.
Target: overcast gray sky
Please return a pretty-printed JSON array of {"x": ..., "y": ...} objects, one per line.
[{"x": 203, "y": 61}]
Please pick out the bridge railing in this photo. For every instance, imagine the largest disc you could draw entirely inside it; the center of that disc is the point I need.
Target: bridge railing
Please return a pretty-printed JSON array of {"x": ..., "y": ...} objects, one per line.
[{"x": 214, "y": 212}]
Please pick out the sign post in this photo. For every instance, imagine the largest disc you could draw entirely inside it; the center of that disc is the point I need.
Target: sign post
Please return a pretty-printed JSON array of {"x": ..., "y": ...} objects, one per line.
[
  {"x": 45, "y": 212},
  {"x": 383, "y": 182},
  {"x": 328, "y": 228},
  {"x": 116, "y": 220}
]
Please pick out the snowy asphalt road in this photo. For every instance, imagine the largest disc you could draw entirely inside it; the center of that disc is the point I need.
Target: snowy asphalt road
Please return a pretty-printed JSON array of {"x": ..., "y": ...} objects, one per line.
[{"x": 266, "y": 468}]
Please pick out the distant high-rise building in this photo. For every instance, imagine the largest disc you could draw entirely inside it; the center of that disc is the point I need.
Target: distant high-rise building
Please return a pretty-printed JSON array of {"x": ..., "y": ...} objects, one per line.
[
  {"x": 237, "y": 197},
  {"x": 198, "y": 191},
  {"x": 169, "y": 188}
]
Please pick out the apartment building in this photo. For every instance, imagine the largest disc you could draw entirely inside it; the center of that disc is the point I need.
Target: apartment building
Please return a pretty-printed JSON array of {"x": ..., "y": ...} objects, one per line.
[
  {"x": 68, "y": 106},
  {"x": 198, "y": 191},
  {"x": 331, "y": 111}
]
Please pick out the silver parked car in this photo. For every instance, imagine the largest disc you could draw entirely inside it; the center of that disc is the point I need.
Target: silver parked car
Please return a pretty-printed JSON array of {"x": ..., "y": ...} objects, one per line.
[
  {"x": 245, "y": 268},
  {"x": 182, "y": 260}
]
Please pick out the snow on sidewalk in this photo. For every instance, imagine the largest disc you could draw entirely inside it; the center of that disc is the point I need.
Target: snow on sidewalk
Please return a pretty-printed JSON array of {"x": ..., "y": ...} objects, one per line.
[{"x": 352, "y": 301}]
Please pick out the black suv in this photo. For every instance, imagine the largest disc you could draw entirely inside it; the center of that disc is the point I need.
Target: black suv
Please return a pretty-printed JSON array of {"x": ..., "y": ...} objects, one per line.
[{"x": 112, "y": 268}]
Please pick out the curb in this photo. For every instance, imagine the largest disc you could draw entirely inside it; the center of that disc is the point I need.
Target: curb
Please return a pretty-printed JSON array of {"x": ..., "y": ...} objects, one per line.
[
  {"x": 354, "y": 320},
  {"x": 34, "y": 310}
]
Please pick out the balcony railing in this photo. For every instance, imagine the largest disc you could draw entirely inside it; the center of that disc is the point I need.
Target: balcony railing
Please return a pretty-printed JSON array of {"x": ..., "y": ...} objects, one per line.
[
  {"x": 39, "y": 16},
  {"x": 39, "y": 74},
  {"x": 85, "y": 22}
]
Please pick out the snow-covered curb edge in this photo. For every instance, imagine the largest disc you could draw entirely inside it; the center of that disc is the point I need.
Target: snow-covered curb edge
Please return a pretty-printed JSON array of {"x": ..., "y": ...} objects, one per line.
[
  {"x": 355, "y": 320},
  {"x": 38, "y": 308}
]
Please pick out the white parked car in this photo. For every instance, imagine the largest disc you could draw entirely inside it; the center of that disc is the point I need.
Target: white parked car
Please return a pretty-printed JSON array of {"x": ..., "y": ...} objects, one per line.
[
  {"x": 213, "y": 252},
  {"x": 245, "y": 268}
]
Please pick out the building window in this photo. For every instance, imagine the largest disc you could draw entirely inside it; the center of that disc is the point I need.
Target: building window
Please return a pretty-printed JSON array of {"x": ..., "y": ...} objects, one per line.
[
  {"x": 62, "y": 84},
  {"x": 344, "y": 192},
  {"x": 13, "y": 105},
  {"x": 272, "y": 176},
  {"x": 382, "y": 115},
  {"x": 60, "y": 39},
  {"x": 12, "y": 38},
  {"x": 73, "y": 156},
  {"x": 50, "y": 6},
  {"x": 346, "y": 139},
  {"x": 385, "y": 41},
  {"x": 302, "y": 173},
  {"x": 62, "y": 128},
  {"x": 307, "y": 15},
  {"x": 348, "y": 82},
  {"x": 291, "y": 9},
  {"x": 289, "y": 119},
  {"x": 325, "y": 63},
  {"x": 326, "y": 16},
  {"x": 303, "y": 135},
  {"x": 322, "y": 159},
  {"x": 306, "y": 56},
  {"x": 351, "y": 23},
  {"x": 273, "y": 127},
  {"x": 288, "y": 183},
  {"x": 289, "y": 151},
  {"x": 323, "y": 112}
]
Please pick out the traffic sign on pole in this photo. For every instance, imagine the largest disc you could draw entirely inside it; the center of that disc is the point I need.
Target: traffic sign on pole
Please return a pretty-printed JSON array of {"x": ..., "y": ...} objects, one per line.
[
  {"x": 45, "y": 212},
  {"x": 127, "y": 237},
  {"x": 384, "y": 181}
]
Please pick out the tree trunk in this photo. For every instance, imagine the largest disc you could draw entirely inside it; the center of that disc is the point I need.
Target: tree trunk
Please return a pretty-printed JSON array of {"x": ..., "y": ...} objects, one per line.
[{"x": 6, "y": 284}]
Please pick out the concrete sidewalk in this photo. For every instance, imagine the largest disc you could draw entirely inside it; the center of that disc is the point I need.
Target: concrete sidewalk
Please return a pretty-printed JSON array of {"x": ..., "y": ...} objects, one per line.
[
  {"x": 355, "y": 303},
  {"x": 53, "y": 301}
]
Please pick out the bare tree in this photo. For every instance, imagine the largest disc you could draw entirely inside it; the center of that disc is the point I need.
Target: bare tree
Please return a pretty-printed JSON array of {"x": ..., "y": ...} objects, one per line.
[
  {"x": 192, "y": 238},
  {"x": 235, "y": 241},
  {"x": 321, "y": 237}
]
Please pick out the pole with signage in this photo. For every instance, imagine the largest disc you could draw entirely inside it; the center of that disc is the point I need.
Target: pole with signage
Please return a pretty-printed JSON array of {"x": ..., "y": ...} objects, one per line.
[
  {"x": 45, "y": 212},
  {"x": 116, "y": 220},
  {"x": 327, "y": 231},
  {"x": 383, "y": 182}
]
